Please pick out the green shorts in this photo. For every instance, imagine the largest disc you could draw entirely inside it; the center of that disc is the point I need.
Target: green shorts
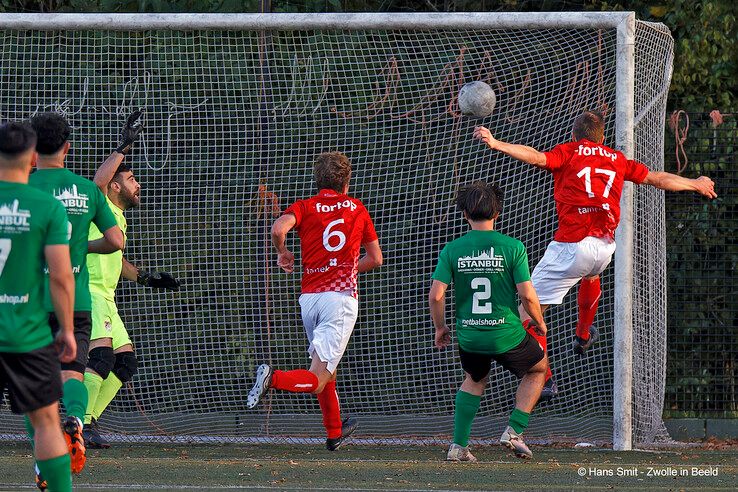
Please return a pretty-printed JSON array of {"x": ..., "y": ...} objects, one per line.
[{"x": 106, "y": 322}]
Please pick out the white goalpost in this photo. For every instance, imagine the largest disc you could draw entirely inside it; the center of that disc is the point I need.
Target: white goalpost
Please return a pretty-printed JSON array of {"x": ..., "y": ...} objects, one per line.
[{"x": 237, "y": 106}]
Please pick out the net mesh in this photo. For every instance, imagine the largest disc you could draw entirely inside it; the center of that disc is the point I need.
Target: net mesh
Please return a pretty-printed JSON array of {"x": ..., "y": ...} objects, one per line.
[{"x": 233, "y": 123}]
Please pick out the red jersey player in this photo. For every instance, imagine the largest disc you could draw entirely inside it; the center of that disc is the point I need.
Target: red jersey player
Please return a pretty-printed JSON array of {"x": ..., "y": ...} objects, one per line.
[
  {"x": 332, "y": 227},
  {"x": 588, "y": 180}
]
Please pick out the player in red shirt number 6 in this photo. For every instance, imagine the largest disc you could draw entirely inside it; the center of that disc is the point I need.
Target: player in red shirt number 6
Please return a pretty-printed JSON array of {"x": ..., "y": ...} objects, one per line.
[
  {"x": 588, "y": 181},
  {"x": 332, "y": 227}
]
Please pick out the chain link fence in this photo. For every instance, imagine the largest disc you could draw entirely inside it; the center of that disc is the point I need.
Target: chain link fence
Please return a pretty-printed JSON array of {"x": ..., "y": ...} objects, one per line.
[{"x": 702, "y": 255}]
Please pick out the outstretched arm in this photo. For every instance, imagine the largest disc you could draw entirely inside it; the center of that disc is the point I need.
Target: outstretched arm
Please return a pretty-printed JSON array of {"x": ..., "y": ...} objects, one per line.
[
  {"x": 129, "y": 135},
  {"x": 280, "y": 228},
  {"x": 671, "y": 182},
  {"x": 523, "y": 153},
  {"x": 155, "y": 280}
]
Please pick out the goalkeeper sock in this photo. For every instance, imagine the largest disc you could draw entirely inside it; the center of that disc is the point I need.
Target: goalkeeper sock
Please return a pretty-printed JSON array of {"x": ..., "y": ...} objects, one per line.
[
  {"x": 588, "y": 299},
  {"x": 108, "y": 390},
  {"x": 464, "y": 413},
  {"x": 296, "y": 381},
  {"x": 57, "y": 473},
  {"x": 92, "y": 383},
  {"x": 75, "y": 398},
  {"x": 519, "y": 420},
  {"x": 30, "y": 431},
  {"x": 541, "y": 339},
  {"x": 329, "y": 406}
]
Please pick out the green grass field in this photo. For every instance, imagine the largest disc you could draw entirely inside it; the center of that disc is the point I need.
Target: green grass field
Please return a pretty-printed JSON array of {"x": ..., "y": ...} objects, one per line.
[{"x": 360, "y": 467}]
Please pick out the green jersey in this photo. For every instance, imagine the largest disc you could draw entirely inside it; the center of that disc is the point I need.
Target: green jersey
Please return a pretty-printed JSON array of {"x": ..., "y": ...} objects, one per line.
[
  {"x": 85, "y": 204},
  {"x": 105, "y": 269},
  {"x": 485, "y": 267},
  {"x": 29, "y": 220}
]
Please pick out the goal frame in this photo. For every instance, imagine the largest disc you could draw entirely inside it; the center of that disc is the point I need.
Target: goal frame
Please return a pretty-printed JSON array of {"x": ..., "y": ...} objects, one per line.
[{"x": 623, "y": 22}]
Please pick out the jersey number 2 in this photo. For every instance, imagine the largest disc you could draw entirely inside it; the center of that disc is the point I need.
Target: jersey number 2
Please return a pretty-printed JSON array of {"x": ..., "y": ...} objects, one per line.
[
  {"x": 482, "y": 291},
  {"x": 328, "y": 234},
  {"x": 5, "y": 247}
]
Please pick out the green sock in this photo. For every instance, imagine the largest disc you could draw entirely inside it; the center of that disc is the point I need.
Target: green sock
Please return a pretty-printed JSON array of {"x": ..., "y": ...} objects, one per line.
[
  {"x": 57, "y": 473},
  {"x": 519, "y": 420},
  {"x": 466, "y": 408},
  {"x": 92, "y": 383},
  {"x": 30, "y": 431},
  {"x": 108, "y": 390},
  {"x": 75, "y": 398}
]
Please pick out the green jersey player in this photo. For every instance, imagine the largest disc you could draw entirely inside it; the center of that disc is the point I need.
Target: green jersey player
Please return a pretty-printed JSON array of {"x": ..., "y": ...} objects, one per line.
[
  {"x": 85, "y": 205},
  {"x": 488, "y": 269},
  {"x": 34, "y": 230}
]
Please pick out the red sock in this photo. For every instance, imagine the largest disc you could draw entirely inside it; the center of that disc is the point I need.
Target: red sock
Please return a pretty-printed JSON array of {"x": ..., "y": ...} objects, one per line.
[
  {"x": 296, "y": 381},
  {"x": 541, "y": 339},
  {"x": 328, "y": 399},
  {"x": 587, "y": 299}
]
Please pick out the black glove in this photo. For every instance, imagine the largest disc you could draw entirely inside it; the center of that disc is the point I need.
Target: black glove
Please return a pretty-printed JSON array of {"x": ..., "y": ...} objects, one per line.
[
  {"x": 158, "y": 280},
  {"x": 130, "y": 132}
]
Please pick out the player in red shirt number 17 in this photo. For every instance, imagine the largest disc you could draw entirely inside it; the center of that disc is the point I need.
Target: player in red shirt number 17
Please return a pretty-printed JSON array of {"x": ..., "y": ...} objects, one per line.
[
  {"x": 332, "y": 227},
  {"x": 588, "y": 181}
]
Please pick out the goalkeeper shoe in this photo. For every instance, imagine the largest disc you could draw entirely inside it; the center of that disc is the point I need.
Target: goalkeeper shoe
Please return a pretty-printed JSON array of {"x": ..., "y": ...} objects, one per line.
[
  {"x": 581, "y": 346},
  {"x": 75, "y": 442},
  {"x": 40, "y": 482},
  {"x": 92, "y": 437},
  {"x": 460, "y": 453},
  {"x": 549, "y": 391},
  {"x": 262, "y": 384},
  {"x": 348, "y": 426},
  {"x": 514, "y": 441}
]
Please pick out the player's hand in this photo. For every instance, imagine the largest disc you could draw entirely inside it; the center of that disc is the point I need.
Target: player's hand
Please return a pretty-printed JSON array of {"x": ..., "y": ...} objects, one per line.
[
  {"x": 66, "y": 345},
  {"x": 131, "y": 132},
  {"x": 286, "y": 261},
  {"x": 705, "y": 187},
  {"x": 158, "y": 280},
  {"x": 540, "y": 329},
  {"x": 483, "y": 134},
  {"x": 443, "y": 337}
]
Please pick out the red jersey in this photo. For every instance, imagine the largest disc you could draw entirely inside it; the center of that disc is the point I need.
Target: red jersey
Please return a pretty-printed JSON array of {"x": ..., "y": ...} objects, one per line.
[
  {"x": 588, "y": 182},
  {"x": 332, "y": 227}
]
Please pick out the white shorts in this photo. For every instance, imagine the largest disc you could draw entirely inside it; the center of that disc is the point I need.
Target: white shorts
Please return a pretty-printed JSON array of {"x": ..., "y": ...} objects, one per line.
[
  {"x": 329, "y": 319},
  {"x": 565, "y": 264}
]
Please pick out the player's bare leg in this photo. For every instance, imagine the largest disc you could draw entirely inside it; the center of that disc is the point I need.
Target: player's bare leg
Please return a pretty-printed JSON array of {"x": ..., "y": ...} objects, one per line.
[
  {"x": 466, "y": 406},
  {"x": 588, "y": 299},
  {"x": 528, "y": 394}
]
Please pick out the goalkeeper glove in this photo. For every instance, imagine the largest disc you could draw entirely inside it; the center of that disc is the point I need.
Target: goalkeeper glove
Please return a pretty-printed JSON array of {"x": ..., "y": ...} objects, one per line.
[
  {"x": 157, "y": 280},
  {"x": 130, "y": 132}
]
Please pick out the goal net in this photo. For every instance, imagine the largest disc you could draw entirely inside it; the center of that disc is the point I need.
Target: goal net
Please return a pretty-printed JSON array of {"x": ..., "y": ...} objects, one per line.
[{"x": 235, "y": 116}]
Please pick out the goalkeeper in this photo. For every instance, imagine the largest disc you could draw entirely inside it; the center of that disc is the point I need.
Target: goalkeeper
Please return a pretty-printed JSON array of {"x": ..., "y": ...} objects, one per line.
[
  {"x": 488, "y": 269},
  {"x": 112, "y": 360}
]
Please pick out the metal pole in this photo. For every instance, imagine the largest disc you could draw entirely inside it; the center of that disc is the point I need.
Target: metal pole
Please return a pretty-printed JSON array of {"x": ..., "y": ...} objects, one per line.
[{"x": 622, "y": 438}]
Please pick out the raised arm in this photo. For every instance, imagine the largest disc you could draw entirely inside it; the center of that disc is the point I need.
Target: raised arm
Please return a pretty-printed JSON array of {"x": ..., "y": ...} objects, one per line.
[
  {"x": 280, "y": 228},
  {"x": 437, "y": 304},
  {"x": 111, "y": 242},
  {"x": 671, "y": 182},
  {"x": 373, "y": 257},
  {"x": 523, "y": 153},
  {"x": 130, "y": 133},
  {"x": 61, "y": 288},
  {"x": 529, "y": 300}
]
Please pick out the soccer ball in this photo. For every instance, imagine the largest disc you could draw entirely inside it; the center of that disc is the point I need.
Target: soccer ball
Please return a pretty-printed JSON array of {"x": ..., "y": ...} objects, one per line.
[{"x": 477, "y": 99}]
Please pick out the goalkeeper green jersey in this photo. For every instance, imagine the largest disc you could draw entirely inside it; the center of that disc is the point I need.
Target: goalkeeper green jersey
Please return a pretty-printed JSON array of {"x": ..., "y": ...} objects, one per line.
[
  {"x": 485, "y": 267},
  {"x": 105, "y": 269},
  {"x": 29, "y": 221},
  {"x": 85, "y": 204}
]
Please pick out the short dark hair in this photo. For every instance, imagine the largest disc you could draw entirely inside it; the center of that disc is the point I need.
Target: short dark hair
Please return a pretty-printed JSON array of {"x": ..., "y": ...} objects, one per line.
[
  {"x": 332, "y": 171},
  {"x": 589, "y": 125},
  {"x": 52, "y": 131},
  {"x": 16, "y": 137},
  {"x": 122, "y": 168},
  {"x": 480, "y": 200}
]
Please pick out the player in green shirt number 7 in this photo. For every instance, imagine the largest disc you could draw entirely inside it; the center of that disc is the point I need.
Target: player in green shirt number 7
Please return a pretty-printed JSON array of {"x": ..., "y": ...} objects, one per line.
[
  {"x": 34, "y": 229},
  {"x": 85, "y": 204},
  {"x": 488, "y": 269}
]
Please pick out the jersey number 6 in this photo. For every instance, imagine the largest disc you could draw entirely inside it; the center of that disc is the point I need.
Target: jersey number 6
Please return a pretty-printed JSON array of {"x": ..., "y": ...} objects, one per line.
[{"x": 328, "y": 234}]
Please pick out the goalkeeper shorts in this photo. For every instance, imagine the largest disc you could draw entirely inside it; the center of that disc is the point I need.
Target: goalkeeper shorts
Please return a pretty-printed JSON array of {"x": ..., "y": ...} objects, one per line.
[
  {"x": 106, "y": 322},
  {"x": 565, "y": 264},
  {"x": 329, "y": 319}
]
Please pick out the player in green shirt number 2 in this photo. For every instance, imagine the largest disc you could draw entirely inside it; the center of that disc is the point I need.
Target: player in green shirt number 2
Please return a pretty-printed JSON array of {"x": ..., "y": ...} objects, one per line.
[
  {"x": 85, "y": 205},
  {"x": 34, "y": 232},
  {"x": 488, "y": 269}
]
